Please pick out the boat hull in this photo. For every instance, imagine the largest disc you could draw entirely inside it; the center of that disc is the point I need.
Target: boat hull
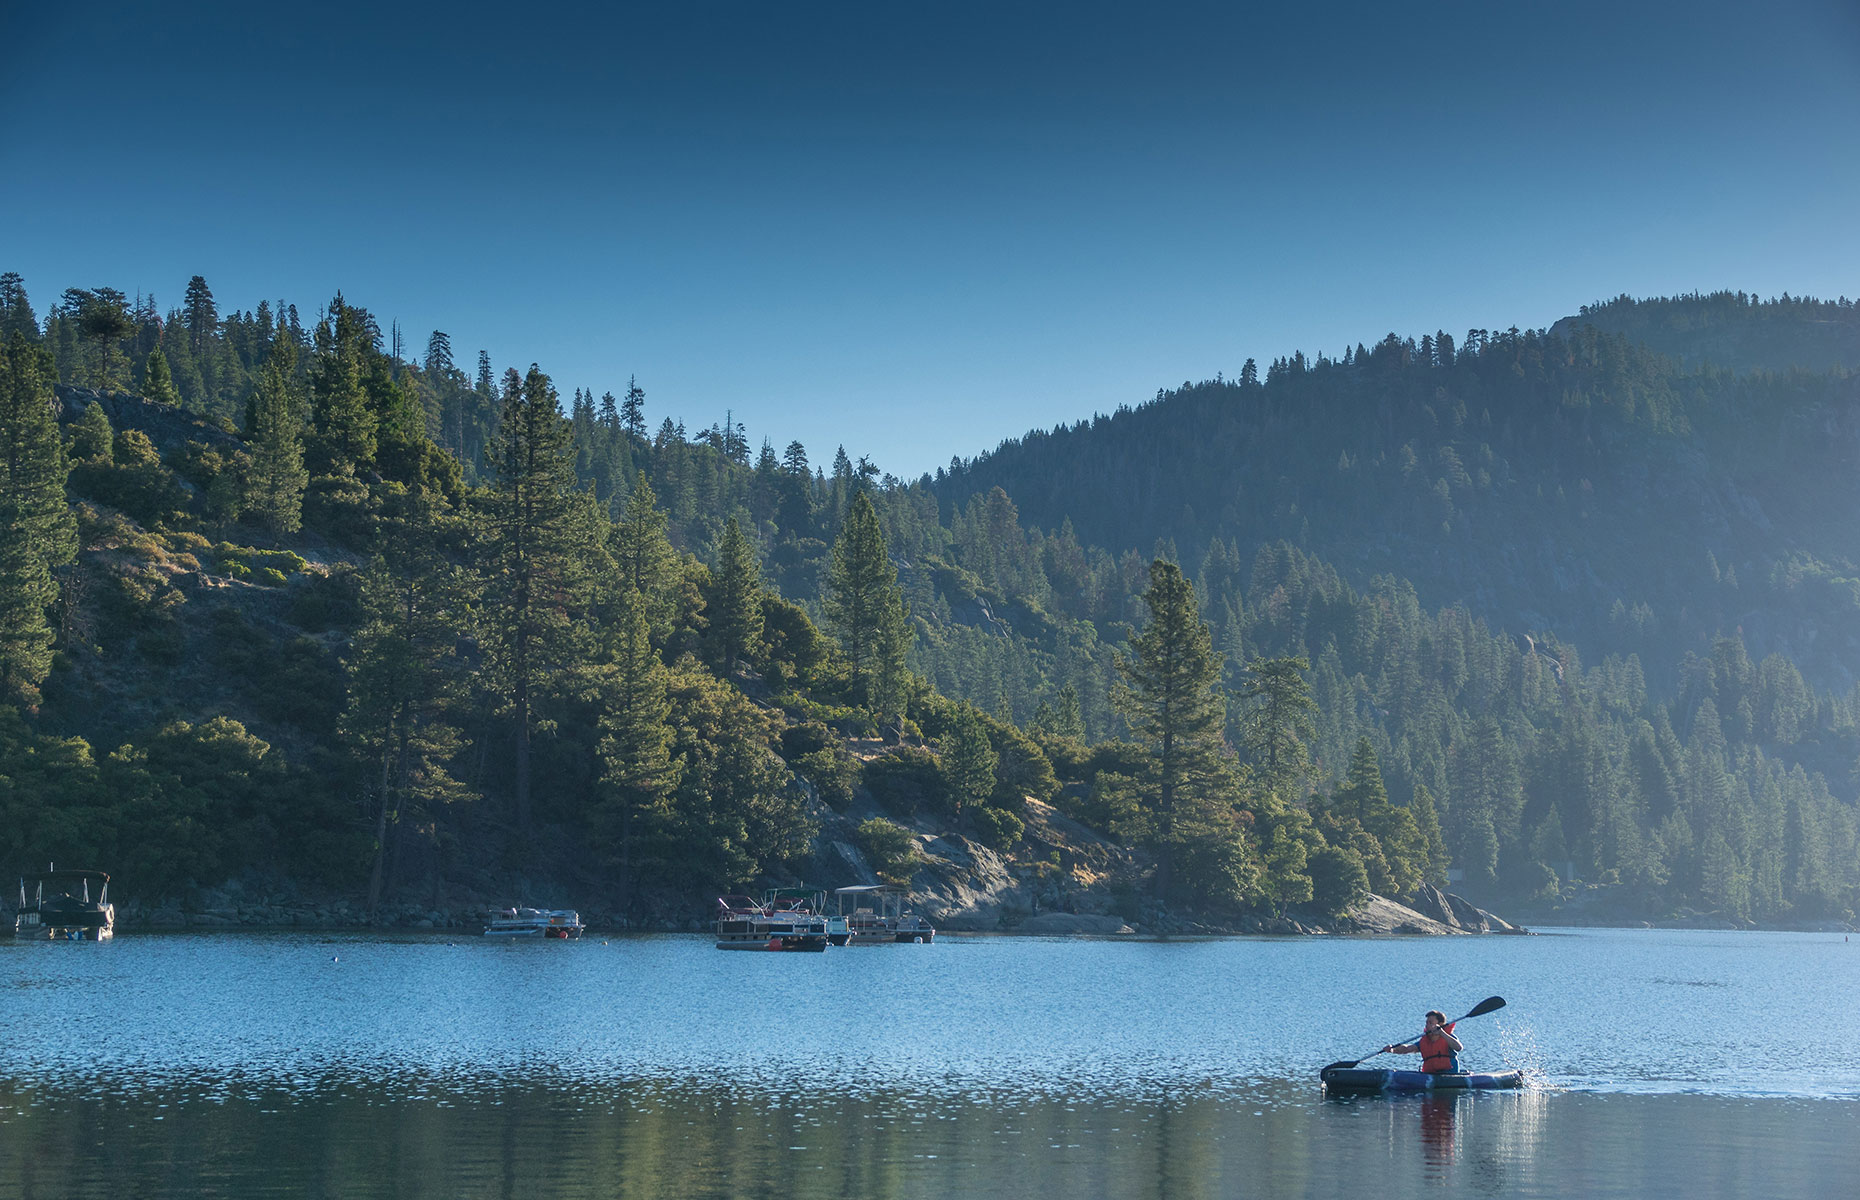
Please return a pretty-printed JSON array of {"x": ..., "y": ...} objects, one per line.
[
  {"x": 790, "y": 942},
  {"x": 90, "y": 924},
  {"x": 1366, "y": 1079}
]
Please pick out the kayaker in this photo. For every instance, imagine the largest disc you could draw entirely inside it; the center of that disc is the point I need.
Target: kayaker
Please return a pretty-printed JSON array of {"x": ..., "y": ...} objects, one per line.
[{"x": 1438, "y": 1048}]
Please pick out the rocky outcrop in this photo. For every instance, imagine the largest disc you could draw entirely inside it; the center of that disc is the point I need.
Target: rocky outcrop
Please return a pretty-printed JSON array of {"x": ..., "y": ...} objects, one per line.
[
  {"x": 1457, "y": 912},
  {"x": 1064, "y": 879},
  {"x": 165, "y": 426}
]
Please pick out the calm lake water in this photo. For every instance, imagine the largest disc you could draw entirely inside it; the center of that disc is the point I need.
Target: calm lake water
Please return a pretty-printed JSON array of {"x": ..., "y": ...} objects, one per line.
[{"x": 1665, "y": 1063}]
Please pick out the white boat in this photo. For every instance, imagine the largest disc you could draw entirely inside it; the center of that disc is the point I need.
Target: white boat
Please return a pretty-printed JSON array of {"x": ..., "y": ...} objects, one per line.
[
  {"x": 744, "y": 924},
  {"x": 534, "y": 923},
  {"x": 878, "y": 916}
]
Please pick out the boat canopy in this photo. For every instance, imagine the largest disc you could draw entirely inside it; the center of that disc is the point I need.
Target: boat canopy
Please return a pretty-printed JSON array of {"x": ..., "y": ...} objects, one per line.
[{"x": 53, "y": 876}]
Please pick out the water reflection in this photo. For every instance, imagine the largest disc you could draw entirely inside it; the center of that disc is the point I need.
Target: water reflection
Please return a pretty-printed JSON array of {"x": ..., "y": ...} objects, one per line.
[{"x": 715, "y": 1138}]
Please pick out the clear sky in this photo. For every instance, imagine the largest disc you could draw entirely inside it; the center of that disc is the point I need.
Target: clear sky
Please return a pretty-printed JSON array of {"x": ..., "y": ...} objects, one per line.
[{"x": 916, "y": 229}]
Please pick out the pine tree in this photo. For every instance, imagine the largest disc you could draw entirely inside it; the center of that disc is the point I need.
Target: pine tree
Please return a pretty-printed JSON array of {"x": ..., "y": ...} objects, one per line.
[
  {"x": 92, "y": 438},
  {"x": 1277, "y": 727},
  {"x": 865, "y": 608},
  {"x": 538, "y": 534},
  {"x": 638, "y": 772},
  {"x": 404, "y": 678},
  {"x": 345, "y": 422},
  {"x": 16, "y": 315},
  {"x": 733, "y": 605},
  {"x": 1427, "y": 820},
  {"x": 158, "y": 382},
  {"x": 103, "y": 318},
  {"x": 969, "y": 760},
  {"x": 633, "y": 410},
  {"x": 1167, "y": 692},
  {"x": 276, "y": 482},
  {"x": 37, "y": 530},
  {"x": 646, "y": 566},
  {"x": 202, "y": 315}
]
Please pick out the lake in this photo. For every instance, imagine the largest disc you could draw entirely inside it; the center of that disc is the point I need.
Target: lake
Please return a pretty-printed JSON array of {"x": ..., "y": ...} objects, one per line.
[{"x": 1663, "y": 1063}]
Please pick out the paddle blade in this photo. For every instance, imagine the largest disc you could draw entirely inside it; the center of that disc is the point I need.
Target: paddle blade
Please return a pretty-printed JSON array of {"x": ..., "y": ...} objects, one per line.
[
  {"x": 1489, "y": 1004},
  {"x": 1337, "y": 1066}
]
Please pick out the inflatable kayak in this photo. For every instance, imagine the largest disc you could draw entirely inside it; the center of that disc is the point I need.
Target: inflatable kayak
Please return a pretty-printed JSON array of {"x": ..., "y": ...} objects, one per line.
[{"x": 1370, "y": 1079}]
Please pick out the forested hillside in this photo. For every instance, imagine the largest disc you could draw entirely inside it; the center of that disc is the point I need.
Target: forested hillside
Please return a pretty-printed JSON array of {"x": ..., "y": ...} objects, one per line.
[
  {"x": 1733, "y": 329},
  {"x": 1533, "y": 610},
  {"x": 1582, "y": 486}
]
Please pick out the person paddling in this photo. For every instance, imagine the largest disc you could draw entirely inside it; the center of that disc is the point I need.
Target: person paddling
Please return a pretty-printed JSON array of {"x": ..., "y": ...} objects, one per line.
[{"x": 1438, "y": 1048}]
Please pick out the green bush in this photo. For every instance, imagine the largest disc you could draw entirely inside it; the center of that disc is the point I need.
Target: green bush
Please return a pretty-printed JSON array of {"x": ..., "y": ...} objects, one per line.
[
  {"x": 997, "y": 828},
  {"x": 272, "y": 577},
  {"x": 908, "y": 779},
  {"x": 890, "y": 849},
  {"x": 833, "y": 772}
]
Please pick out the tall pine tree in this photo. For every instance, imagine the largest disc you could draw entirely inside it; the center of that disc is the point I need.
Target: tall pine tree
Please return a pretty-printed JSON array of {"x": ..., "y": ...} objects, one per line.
[
  {"x": 865, "y": 608},
  {"x": 275, "y": 487},
  {"x": 37, "y": 531},
  {"x": 538, "y": 534},
  {"x": 1167, "y": 692},
  {"x": 733, "y": 603}
]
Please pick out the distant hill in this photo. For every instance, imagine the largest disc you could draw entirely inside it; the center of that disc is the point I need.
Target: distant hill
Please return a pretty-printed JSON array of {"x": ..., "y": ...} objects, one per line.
[
  {"x": 1733, "y": 329},
  {"x": 1574, "y": 483}
]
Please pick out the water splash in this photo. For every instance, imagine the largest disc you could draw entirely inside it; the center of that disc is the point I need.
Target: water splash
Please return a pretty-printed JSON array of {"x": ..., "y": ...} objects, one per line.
[{"x": 1518, "y": 1046}]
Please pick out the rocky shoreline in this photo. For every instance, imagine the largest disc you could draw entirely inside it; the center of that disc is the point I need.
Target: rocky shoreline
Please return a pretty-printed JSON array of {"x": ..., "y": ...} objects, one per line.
[
  {"x": 1062, "y": 879},
  {"x": 1432, "y": 913}
]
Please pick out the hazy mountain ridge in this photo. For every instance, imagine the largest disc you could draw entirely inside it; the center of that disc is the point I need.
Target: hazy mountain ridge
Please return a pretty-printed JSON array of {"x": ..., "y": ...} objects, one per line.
[
  {"x": 1539, "y": 480},
  {"x": 1732, "y": 329}
]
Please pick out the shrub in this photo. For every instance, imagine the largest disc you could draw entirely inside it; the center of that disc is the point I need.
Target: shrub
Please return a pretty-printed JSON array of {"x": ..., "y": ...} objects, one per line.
[
  {"x": 907, "y": 779},
  {"x": 806, "y": 738},
  {"x": 832, "y": 771},
  {"x": 271, "y": 577},
  {"x": 890, "y": 849},
  {"x": 997, "y": 828}
]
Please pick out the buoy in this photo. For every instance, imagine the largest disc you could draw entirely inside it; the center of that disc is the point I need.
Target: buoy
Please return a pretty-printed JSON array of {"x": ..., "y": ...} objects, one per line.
[{"x": 774, "y": 943}]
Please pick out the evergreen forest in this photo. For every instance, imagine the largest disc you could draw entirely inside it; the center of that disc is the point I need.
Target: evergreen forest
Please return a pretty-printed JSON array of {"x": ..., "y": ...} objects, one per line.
[{"x": 1568, "y": 619}]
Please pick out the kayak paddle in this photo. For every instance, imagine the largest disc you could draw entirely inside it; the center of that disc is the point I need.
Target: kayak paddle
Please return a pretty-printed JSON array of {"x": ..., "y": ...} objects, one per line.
[{"x": 1489, "y": 1004}]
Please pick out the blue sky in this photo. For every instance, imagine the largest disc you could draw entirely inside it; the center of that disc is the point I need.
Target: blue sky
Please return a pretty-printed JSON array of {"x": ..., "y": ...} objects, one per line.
[{"x": 918, "y": 229}]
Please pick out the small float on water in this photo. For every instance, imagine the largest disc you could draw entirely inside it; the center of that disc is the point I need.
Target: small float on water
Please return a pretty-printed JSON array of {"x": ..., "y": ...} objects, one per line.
[
  {"x": 561, "y": 923},
  {"x": 747, "y": 924},
  {"x": 60, "y": 905},
  {"x": 878, "y": 915}
]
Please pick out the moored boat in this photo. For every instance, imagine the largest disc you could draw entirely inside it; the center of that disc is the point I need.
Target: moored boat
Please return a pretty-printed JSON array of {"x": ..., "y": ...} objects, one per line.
[
  {"x": 1370, "y": 1079},
  {"x": 60, "y": 904},
  {"x": 745, "y": 924},
  {"x": 808, "y": 900},
  {"x": 878, "y": 915},
  {"x": 561, "y": 923}
]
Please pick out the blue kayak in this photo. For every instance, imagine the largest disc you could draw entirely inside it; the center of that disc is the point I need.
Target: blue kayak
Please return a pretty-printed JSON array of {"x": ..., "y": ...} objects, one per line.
[{"x": 1369, "y": 1079}]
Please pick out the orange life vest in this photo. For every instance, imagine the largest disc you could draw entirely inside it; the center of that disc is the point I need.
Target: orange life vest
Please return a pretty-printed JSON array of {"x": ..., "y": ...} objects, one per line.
[{"x": 1437, "y": 1051}]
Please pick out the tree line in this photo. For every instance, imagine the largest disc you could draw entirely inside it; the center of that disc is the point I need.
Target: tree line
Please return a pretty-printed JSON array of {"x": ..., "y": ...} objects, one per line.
[{"x": 651, "y": 656}]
